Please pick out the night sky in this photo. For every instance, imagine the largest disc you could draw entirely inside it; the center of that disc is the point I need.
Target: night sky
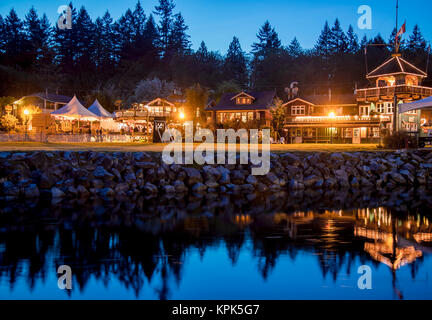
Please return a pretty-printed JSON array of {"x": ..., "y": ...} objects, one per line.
[{"x": 217, "y": 21}]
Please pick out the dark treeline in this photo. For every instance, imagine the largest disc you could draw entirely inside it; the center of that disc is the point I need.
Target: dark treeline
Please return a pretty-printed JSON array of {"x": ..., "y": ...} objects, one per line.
[{"x": 107, "y": 58}]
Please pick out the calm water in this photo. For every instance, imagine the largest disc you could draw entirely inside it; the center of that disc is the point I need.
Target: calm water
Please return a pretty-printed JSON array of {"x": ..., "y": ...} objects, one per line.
[{"x": 288, "y": 246}]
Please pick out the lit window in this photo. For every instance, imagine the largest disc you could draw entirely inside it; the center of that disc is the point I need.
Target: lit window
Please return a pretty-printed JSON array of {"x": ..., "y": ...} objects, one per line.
[
  {"x": 389, "y": 107},
  {"x": 298, "y": 110},
  {"x": 244, "y": 117},
  {"x": 380, "y": 108},
  {"x": 364, "y": 110}
]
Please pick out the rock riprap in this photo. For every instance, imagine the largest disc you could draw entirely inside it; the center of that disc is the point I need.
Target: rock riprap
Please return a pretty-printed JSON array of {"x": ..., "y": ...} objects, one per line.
[{"x": 65, "y": 174}]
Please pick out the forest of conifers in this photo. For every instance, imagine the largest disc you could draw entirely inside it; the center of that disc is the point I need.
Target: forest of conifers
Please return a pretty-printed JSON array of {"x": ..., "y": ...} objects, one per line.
[{"x": 105, "y": 58}]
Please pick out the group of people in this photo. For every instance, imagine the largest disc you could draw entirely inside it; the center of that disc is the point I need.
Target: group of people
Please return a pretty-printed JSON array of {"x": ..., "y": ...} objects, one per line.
[{"x": 98, "y": 137}]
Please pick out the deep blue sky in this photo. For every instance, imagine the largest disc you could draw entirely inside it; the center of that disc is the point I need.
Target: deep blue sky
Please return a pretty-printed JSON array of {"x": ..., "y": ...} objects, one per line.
[{"x": 217, "y": 21}]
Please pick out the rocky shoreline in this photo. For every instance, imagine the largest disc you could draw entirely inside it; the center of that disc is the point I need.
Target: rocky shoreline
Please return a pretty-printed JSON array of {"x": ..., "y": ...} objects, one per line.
[{"x": 67, "y": 174}]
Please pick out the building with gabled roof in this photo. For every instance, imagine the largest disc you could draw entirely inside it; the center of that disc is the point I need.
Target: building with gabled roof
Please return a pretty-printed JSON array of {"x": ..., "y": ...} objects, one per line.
[
  {"x": 331, "y": 118},
  {"x": 244, "y": 106},
  {"x": 47, "y": 102},
  {"x": 394, "y": 82}
]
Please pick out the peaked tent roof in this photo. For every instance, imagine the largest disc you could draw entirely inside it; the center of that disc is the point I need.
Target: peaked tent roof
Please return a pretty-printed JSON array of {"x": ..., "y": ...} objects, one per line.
[
  {"x": 74, "y": 109},
  {"x": 395, "y": 65},
  {"x": 100, "y": 111},
  {"x": 416, "y": 105}
]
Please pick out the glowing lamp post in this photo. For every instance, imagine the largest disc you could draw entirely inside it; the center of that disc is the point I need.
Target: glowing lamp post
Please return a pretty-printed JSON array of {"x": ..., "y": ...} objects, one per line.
[{"x": 26, "y": 120}]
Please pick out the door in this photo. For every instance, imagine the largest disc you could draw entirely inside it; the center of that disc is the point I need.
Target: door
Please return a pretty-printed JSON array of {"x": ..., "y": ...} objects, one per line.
[{"x": 356, "y": 136}]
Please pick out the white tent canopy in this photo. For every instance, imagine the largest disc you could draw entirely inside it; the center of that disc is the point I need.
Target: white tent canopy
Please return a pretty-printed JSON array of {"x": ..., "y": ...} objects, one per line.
[
  {"x": 75, "y": 110},
  {"x": 100, "y": 111},
  {"x": 416, "y": 105}
]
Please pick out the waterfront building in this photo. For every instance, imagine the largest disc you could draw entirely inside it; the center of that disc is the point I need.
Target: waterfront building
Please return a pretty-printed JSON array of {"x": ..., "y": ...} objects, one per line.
[
  {"x": 244, "y": 107},
  {"x": 394, "y": 82},
  {"x": 329, "y": 119}
]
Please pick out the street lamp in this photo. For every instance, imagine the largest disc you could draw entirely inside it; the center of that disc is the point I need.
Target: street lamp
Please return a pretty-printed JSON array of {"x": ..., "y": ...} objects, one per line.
[{"x": 26, "y": 114}]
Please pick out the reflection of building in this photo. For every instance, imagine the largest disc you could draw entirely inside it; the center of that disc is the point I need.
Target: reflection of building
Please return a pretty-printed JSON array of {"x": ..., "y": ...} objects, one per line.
[
  {"x": 329, "y": 119},
  {"x": 393, "y": 238},
  {"x": 244, "y": 107},
  {"x": 394, "y": 80}
]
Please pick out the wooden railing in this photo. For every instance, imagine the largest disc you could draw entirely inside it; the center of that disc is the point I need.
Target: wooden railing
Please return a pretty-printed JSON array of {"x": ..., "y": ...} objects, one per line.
[
  {"x": 378, "y": 92},
  {"x": 141, "y": 114}
]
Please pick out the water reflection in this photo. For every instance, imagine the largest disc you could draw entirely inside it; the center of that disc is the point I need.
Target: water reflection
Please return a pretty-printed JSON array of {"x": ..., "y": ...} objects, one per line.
[{"x": 146, "y": 245}]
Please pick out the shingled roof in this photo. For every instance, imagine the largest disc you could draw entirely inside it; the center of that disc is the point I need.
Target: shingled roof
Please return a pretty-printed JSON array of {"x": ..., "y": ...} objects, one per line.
[
  {"x": 396, "y": 65},
  {"x": 262, "y": 101},
  {"x": 325, "y": 100},
  {"x": 55, "y": 98}
]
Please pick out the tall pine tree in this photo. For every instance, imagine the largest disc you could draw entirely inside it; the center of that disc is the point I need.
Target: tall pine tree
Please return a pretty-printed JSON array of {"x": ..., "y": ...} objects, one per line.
[
  {"x": 338, "y": 40},
  {"x": 165, "y": 12},
  {"x": 235, "y": 65},
  {"x": 268, "y": 40},
  {"x": 104, "y": 49},
  {"x": 294, "y": 49},
  {"x": 85, "y": 35},
  {"x": 15, "y": 38},
  {"x": 323, "y": 45},
  {"x": 179, "y": 42},
  {"x": 352, "y": 40}
]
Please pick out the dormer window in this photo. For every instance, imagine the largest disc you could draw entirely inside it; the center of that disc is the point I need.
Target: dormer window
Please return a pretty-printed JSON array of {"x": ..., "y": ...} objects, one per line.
[{"x": 243, "y": 100}]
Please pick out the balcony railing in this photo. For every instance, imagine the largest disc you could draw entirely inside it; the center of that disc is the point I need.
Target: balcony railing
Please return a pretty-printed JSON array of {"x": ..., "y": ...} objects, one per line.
[
  {"x": 335, "y": 119},
  {"x": 376, "y": 93},
  {"x": 142, "y": 114}
]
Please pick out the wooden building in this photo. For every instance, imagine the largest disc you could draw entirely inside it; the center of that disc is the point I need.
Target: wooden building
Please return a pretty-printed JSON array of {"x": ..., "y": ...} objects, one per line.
[
  {"x": 47, "y": 102},
  {"x": 244, "y": 107},
  {"x": 394, "y": 82},
  {"x": 329, "y": 119}
]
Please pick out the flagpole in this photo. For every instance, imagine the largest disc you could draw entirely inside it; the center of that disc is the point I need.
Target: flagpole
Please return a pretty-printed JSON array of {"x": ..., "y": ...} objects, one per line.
[{"x": 396, "y": 41}]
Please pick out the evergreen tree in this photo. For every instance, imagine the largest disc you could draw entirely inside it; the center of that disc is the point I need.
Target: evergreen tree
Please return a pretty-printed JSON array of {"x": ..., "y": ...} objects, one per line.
[
  {"x": 139, "y": 20},
  {"x": 85, "y": 35},
  {"x": 65, "y": 44},
  {"x": 15, "y": 37},
  {"x": 2, "y": 35},
  {"x": 338, "y": 42},
  {"x": 352, "y": 40},
  {"x": 38, "y": 35},
  {"x": 165, "y": 11},
  {"x": 323, "y": 45},
  {"x": 178, "y": 38},
  {"x": 202, "y": 53},
  {"x": 151, "y": 34},
  {"x": 235, "y": 65},
  {"x": 124, "y": 34},
  {"x": 294, "y": 49},
  {"x": 104, "y": 54},
  {"x": 268, "y": 40},
  {"x": 417, "y": 42}
]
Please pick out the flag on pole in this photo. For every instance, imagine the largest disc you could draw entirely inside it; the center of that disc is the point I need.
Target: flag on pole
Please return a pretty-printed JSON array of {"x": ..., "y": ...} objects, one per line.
[{"x": 401, "y": 31}]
